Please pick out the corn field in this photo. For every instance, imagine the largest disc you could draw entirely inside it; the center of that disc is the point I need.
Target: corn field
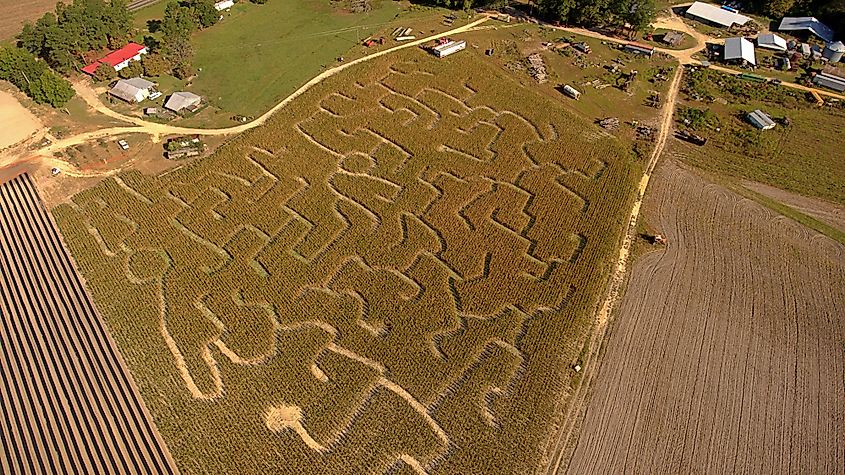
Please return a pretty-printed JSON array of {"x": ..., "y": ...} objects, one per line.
[{"x": 394, "y": 275}]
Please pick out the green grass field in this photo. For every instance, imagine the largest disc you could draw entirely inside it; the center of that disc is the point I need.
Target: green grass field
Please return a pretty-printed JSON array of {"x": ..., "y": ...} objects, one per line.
[
  {"x": 261, "y": 53},
  {"x": 804, "y": 157},
  {"x": 398, "y": 270}
]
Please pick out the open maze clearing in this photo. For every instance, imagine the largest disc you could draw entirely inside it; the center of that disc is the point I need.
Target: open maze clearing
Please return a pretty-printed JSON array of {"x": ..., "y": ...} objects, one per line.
[{"x": 393, "y": 275}]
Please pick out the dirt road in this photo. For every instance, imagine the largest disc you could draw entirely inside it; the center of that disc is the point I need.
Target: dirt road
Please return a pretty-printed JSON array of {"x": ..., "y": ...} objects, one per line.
[
  {"x": 558, "y": 447},
  {"x": 726, "y": 356}
]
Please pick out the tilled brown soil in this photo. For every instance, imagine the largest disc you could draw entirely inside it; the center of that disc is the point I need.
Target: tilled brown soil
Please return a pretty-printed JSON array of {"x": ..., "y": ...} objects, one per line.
[
  {"x": 727, "y": 355},
  {"x": 68, "y": 403}
]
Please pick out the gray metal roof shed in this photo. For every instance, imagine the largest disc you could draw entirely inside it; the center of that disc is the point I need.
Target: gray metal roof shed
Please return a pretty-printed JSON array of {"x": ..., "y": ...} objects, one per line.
[
  {"x": 182, "y": 100},
  {"x": 740, "y": 48},
  {"x": 807, "y": 23},
  {"x": 761, "y": 120}
]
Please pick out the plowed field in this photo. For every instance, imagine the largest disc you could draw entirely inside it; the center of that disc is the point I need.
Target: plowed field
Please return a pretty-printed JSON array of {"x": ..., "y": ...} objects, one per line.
[
  {"x": 68, "y": 403},
  {"x": 18, "y": 12},
  {"x": 727, "y": 355}
]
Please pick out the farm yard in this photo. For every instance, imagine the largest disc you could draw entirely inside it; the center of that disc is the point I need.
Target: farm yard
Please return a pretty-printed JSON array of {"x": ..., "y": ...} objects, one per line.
[
  {"x": 69, "y": 403},
  {"x": 395, "y": 273},
  {"x": 727, "y": 352},
  {"x": 802, "y": 154}
]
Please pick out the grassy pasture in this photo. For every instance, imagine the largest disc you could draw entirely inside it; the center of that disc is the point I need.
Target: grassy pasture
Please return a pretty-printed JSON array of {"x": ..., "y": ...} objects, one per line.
[
  {"x": 399, "y": 268},
  {"x": 261, "y": 53},
  {"x": 804, "y": 157}
]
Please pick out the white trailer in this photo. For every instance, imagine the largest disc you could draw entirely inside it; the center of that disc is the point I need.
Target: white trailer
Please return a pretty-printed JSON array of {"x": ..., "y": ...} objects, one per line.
[
  {"x": 571, "y": 92},
  {"x": 448, "y": 48}
]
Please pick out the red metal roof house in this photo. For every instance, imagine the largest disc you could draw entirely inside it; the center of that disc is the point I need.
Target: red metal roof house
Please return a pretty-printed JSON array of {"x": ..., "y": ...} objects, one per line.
[{"x": 118, "y": 59}]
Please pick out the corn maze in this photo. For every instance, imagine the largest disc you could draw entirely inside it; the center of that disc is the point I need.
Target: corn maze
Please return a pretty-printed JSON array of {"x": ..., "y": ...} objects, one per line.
[{"x": 392, "y": 276}]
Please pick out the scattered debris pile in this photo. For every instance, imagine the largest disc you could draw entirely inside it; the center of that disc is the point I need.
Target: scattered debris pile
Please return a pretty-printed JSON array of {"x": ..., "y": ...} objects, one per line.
[
  {"x": 537, "y": 68},
  {"x": 653, "y": 99},
  {"x": 183, "y": 147},
  {"x": 609, "y": 123},
  {"x": 645, "y": 132},
  {"x": 359, "y": 6}
]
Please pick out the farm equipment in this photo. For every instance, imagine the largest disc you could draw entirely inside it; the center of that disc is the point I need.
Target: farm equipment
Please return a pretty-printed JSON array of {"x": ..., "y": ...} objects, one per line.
[
  {"x": 609, "y": 123},
  {"x": 373, "y": 41},
  {"x": 690, "y": 137},
  {"x": 659, "y": 240}
]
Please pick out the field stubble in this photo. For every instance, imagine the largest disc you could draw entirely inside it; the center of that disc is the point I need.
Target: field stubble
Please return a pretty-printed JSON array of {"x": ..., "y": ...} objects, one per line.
[
  {"x": 727, "y": 355},
  {"x": 393, "y": 274}
]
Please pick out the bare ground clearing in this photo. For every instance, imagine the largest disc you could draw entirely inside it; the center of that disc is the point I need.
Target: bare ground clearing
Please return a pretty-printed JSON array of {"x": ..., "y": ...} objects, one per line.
[
  {"x": 727, "y": 355},
  {"x": 17, "y": 122},
  {"x": 16, "y": 13}
]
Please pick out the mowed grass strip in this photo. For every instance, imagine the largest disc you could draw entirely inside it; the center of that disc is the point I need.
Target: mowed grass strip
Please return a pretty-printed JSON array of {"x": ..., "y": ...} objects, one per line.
[{"x": 261, "y": 53}]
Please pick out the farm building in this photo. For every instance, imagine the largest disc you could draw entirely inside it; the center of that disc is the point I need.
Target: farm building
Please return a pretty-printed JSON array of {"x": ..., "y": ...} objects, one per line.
[
  {"x": 740, "y": 50},
  {"x": 223, "y": 5},
  {"x": 448, "y": 48},
  {"x": 760, "y": 119},
  {"x": 771, "y": 41},
  {"x": 673, "y": 38},
  {"x": 807, "y": 23},
  {"x": 713, "y": 15},
  {"x": 183, "y": 101},
  {"x": 639, "y": 49},
  {"x": 830, "y": 81},
  {"x": 132, "y": 90},
  {"x": 118, "y": 59},
  {"x": 833, "y": 52},
  {"x": 805, "y": 50}
]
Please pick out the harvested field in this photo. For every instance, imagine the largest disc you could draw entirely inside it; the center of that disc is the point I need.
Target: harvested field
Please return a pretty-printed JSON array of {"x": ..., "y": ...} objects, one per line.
[
  {"x": 17, "y": 12},
  {"x": 727, "y": 354},
  {"x": 394, "y": 274},
  {"x": 18, "y": 122},
  {"x": 69, "y": 404}
]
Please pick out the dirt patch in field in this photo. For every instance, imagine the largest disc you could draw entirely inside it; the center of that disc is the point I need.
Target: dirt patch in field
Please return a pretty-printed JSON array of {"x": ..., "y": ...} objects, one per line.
[
  {"x": 727, "y": 354},
  {"x": 18, "y": 122},
  {"x": 16, "y": 13},
  {"x": 824, "y": 211}
]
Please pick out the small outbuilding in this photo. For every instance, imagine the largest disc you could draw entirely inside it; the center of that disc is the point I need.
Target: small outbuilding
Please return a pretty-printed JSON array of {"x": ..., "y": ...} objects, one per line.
[
  {"x": 807, "y": 23},
  {"x": 673, "y": 38},
  {"x": 571, "y": 92},
  {"x": 833, "y": 52},
  {"x": 637, "y": 48},
  {"x": 223, "y": 5},
  {"x": 183, "y": 101},
  {"x": 132, "y": 90},
  {"x": 740, "y": 50},
  {"x": 771, "y": 41},
  {"x": 761, "y": 120},
  {"x": 716, "y": 16},
  {"x": 830, "y": 81}
]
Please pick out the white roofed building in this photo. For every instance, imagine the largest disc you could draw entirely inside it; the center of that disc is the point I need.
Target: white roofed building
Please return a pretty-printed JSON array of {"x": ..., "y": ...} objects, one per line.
[
  {"x": 771, "y": 41},
  {"x": 715, "y": 16},
  {"x": 807, "y": 23},
  {"x": 132, "y": 90},
  {"x": 183, "y": 100},
  {"x": 223, "y": 5},
  {"x": 740, "y": 50},
  {"x": 761, "y": 120}
]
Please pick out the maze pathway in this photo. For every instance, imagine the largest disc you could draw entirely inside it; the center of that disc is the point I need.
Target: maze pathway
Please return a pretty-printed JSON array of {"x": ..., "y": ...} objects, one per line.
[{"x": 68, "y": 403}]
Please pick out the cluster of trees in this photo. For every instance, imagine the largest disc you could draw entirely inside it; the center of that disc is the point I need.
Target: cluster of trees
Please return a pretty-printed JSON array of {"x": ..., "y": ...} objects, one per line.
[
  {"x": 175, "y": 53},
  {"x": 638, "y": 13},
  {"x": 62, "y": 38},
  {"x": 33, "y": 77}
]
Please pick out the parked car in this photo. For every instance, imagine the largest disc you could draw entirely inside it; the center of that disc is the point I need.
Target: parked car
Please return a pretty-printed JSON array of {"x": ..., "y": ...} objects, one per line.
[{"x": 124, "y": 145}]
